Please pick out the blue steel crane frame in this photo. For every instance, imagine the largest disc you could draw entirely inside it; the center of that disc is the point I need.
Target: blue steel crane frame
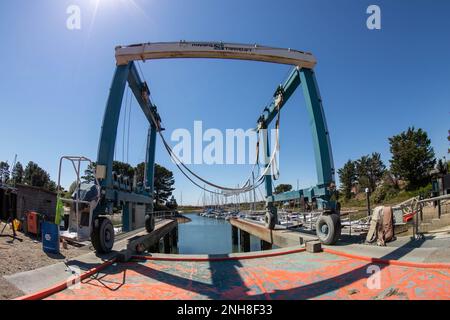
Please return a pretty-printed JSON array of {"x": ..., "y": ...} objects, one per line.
[
  {"x": 110, "y": 195},
  {"x": 322, "y": 193},
  {"x": 324, "y": 189}
]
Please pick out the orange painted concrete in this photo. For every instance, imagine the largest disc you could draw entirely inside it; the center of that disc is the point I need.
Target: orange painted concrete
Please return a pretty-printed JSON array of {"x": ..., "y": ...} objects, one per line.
[{"x": 298, "y": 275}]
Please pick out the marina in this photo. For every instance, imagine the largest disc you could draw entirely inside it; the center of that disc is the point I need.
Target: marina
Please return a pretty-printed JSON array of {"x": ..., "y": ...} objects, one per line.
[{"x": 313, "y": 165}]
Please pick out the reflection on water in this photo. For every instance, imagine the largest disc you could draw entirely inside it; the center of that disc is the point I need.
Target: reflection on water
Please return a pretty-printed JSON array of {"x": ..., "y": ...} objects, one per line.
[{"x": 208, "y": 236}]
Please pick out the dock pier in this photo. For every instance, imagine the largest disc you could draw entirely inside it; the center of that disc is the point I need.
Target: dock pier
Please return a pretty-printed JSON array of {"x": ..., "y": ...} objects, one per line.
[
  {"x": 166, "y": 230},
  {"x": 279, "y": 237}
]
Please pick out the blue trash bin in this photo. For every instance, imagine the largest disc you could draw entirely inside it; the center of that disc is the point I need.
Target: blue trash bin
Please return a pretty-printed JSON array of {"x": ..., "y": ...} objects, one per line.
[{"x": 50, "y": 237}]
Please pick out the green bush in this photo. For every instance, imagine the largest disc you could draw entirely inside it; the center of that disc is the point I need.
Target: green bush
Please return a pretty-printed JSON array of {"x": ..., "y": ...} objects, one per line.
[{"x": 424, "y": 192}]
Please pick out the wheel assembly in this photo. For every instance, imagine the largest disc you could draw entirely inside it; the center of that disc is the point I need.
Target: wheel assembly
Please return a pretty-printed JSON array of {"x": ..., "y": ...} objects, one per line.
[
  {"x": 102, "y": 236},
  {"x": 150, "y": 222},
  {"x": 328, "y": 228}
]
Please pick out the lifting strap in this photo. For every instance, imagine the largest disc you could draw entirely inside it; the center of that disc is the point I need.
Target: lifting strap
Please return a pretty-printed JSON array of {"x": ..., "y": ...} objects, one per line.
[{"x": 247, "y": 186}]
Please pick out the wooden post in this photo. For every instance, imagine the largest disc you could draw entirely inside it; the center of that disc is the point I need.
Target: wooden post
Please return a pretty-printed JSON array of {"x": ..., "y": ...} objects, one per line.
[
  {"x": 167, "y": 243},
  {"x": 245, "y": 241},
  {"x": 235, "y": 235},
  {"x": 266, "y": 245},
  {"x": 155, "y": 248}
]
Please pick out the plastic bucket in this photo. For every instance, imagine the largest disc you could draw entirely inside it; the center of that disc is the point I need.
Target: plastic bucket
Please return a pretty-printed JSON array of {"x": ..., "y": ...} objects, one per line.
[{"x": 50, "y": 237}]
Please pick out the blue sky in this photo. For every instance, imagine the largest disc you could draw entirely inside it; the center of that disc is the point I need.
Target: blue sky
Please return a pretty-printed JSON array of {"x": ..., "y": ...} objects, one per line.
[{"x": 54, "y": 82}]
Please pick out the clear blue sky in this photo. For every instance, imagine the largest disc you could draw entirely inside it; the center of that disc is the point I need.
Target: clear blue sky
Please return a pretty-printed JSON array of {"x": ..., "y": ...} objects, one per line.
[{"x": 54, "y": 82}]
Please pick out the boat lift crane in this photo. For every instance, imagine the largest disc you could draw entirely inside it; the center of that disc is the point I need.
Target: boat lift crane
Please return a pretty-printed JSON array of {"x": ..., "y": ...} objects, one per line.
[{"x": 113, "y": 192}]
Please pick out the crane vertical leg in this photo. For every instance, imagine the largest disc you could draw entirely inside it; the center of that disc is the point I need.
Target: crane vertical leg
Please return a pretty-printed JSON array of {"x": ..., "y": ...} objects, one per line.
[
  {"x": 150, "y": 176},
  {"x": 271, "y": 214},
  {"x": 126, "y": 217},
  {"x": 110, "y": 123},
  {"x": 268, "y": 180},
  {"x": 321, "y": 139},
  {"x": 328, "y": 225},
  {"x": 112, "y": 194}
]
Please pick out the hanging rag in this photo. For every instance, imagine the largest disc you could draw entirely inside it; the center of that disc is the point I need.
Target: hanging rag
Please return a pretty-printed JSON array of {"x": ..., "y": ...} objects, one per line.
[
  {"x": 376, "y": 216},
  {"x": 385, "y": 229}
]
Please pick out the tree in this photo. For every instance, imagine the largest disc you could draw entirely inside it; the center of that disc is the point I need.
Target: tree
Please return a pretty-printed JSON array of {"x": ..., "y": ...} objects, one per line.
[
  {"x": 89, "y": 173},
  {"x": 389, "y": 179},
  {"x": 123, "y": 169},
  {"x": 412, "y": 157},
  {"x": 347, "y": 177},
  {"x": 72, "y": 187},
  {"x": 367, "y": 171},
  {"x": 442, "y": 170},
  {"x": 163, "y": 184},
  {"x": 17, "y": 173},
  {"x": 376, "y": 169},
  {"x": 4, "y": 172},
  {"x": 362, "y": 171},
  {"x": 283, "y": 188},
  {"x": 370, "y": 170},
  {"x": 442, "y": 167},
  {"x": 37, "y": 177},
  {"x": 139, "y": 171},
  {"x": 172, "y": 203},
  {"x": 51, "y": 186}
]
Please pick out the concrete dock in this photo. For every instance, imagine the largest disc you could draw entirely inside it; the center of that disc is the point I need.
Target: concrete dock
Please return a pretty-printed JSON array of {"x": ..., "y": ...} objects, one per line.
[
  {"x": 250, "y": 276},
  {"x": 406, "y": 270},
  {"x": 35, "y": 280},
  {"x": 280, "y": 237},
  {"x": 430, "y": 249}
]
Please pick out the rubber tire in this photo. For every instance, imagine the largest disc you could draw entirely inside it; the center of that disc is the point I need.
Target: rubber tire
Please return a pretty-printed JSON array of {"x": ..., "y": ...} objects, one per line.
[
  {"x": 337, "y": 222},
  {"x": 269, "y": 220},
  {"x": 334, "y": 228},
  {"x": 149, "y": 223},
  {"x": 102, "y": 236}
]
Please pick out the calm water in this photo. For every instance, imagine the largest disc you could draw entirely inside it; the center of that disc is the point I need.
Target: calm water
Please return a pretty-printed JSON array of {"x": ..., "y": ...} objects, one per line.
[{"x": 208, "y": 236}]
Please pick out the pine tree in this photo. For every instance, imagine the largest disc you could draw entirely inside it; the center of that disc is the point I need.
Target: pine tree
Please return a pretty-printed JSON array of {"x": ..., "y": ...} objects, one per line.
[
  {"x": 17, "y": 173},
  {"x": 347, "y": 177},
  {"x": 412, "y": 157}
]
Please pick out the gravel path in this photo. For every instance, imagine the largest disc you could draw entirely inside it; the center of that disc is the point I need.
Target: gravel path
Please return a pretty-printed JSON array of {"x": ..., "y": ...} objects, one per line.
[{"x": 24, "y": 254}]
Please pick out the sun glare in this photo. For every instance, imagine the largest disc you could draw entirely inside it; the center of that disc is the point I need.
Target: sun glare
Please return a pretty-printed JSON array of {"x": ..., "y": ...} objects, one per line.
[{"x": 131, "y": 6}]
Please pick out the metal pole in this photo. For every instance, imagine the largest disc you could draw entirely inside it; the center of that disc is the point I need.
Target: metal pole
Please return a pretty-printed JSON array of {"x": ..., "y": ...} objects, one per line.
[
  {"x": 417, "y": 225},
  {"x": 254, "y": 192},
  {"x": 350, "y": 218},
  {"x": 439, "y": 208},
  {"x": 368, "y": 201}
]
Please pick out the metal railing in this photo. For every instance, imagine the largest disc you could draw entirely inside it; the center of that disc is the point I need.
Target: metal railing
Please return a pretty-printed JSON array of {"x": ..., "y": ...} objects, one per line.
[
  {"x": 415, "y": 207},
  {"x": 161, "y": 215}
]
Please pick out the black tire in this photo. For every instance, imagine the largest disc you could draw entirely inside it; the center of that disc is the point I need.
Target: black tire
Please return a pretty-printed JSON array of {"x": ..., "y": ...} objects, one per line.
[
  {"x": 269, "y": 220},
  {"x": 150, "y": 222},
  {"x": 102, "y": 236},
  {"x": 338, "y": 228},
  {"x": 328, "y": 228}
]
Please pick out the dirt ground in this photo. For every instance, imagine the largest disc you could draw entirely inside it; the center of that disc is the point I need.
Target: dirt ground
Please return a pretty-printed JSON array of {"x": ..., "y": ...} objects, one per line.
[{"x": 24, "y": 254}]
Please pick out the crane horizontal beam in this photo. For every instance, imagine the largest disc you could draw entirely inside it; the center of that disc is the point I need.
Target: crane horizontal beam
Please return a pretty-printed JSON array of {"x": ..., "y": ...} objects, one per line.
[{"x": 214, "y": 50}]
